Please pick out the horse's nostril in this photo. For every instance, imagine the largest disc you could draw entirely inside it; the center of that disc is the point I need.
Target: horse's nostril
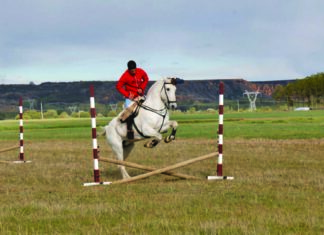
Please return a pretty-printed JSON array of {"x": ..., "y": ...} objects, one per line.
[{"x": 173, "y": 106}]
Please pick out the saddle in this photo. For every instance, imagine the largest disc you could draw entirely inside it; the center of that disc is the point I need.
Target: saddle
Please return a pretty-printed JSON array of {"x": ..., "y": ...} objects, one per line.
[
  {"x": 128, "y": 116},
  {"x": 127, "y": 112}
]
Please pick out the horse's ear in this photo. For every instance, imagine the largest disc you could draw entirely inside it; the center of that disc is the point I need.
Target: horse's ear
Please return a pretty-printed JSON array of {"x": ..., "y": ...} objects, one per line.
[
  {"x": 179, "y": 81},
  {"x": 176, "y": 81}
]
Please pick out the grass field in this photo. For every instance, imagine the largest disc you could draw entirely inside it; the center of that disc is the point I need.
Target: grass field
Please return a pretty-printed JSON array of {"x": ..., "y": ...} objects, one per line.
[{"x": 276, "y": 159}]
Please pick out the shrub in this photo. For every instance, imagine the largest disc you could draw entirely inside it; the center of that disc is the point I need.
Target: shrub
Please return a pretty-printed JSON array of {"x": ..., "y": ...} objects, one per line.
[
  {"x": 265, "y": 109},
  {"x": 75, "y": 114},
  {"x": 211, "y": 110},
  {"x": 64, "y": 115},
  {"x": 30, "y": 114},
  {"x": 51, "y": 113},
  {"x": 80, "y": 114},
  {"x": 192, "y": 110},
  {"x": 112, "y": 114}
]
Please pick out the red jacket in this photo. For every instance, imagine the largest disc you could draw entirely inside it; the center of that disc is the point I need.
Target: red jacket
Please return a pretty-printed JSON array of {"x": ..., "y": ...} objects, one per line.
[{"x": 128, "y": 83}]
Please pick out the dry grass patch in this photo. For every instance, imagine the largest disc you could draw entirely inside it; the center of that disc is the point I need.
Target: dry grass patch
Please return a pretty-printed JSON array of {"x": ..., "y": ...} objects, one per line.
[{"x": 278, "y": 189}]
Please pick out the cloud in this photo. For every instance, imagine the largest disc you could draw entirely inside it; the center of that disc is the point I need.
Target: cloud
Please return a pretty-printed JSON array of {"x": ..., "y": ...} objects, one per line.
[{"x": 91, "y": 40}]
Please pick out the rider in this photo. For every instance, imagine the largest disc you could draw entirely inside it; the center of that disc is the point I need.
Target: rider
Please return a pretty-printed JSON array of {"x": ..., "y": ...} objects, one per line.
[
  {"x": 131, "y": 85},
  {"x": 132, "y": 82}
]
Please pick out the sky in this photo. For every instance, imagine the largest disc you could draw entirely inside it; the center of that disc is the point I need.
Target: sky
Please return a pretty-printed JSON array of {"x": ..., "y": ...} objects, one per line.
[{"x": 92, "y": 40}]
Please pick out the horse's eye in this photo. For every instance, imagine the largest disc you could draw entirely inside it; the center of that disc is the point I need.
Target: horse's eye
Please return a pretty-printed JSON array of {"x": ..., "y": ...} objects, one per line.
[{"x": 168, "y": 89}]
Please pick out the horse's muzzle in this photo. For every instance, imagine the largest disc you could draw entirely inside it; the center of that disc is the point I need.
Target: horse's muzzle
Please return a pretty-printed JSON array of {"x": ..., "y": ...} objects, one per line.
[{"x": 173, "y": 106}]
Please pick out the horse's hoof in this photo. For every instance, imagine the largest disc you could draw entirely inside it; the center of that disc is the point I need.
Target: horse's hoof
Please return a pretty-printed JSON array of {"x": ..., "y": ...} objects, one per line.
[
  {"x": 148, "y": 145},
  {"x": 151, "y": 144},
  {"x": 154, "y": 143},
  {"x": 169, "y": 138}
]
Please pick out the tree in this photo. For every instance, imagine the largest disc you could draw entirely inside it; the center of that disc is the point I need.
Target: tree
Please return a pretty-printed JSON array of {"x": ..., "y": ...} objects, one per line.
[
  {"x": 310, "y": 88},
  {"x": 278, "y": 93}
]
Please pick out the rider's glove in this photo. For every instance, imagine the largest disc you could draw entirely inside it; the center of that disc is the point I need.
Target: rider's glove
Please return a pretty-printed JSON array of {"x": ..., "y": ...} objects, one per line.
[
  {"x": 140, "y": 91},
  {"x": 140, "y": 99}
]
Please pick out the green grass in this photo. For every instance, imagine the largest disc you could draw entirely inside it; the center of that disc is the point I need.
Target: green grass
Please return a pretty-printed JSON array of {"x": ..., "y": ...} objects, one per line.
[
  {"x": 276, "y": 159},
  {"x": 277, "y": 125}
]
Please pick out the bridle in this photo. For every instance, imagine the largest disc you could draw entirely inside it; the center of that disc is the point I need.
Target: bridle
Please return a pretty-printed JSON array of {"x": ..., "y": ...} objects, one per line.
[
  {"x": 167, "y": 105},
  {"x": 161, "y": 112}
]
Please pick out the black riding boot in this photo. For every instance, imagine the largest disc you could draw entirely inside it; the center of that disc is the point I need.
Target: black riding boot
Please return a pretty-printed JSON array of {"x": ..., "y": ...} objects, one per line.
[{"x": 130, "y": 132}]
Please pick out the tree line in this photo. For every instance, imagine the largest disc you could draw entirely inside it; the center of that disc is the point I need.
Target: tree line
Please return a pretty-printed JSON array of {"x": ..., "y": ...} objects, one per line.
[{"x": 309, "y": 90}]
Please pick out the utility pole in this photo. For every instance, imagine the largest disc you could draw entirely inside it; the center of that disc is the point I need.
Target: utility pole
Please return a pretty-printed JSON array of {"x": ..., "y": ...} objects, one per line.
[
  {"x": 252, "y": 96},
  {"x": 31, "y": 104},
  {"x": 42, "y": 110},
  {"x": 113, "y": 107}
]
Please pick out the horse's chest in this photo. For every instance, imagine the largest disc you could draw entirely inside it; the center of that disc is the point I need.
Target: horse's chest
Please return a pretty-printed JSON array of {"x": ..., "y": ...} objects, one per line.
[{"x": 154, "y": 120}]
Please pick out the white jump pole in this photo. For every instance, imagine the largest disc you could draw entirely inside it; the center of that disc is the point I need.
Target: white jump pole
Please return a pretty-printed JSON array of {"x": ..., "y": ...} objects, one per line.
[
  {"x": 220, "y": 138},
  {"x": 96, "y": 171}
]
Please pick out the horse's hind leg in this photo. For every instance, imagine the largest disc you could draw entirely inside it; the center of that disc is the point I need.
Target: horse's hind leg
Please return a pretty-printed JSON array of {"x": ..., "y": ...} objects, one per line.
[
  {"x": 118, "y": 150},
  {"x": 127, "y": 149},
  {"x": 123, "y": 172},
  {"x": 115, "y": 141}
]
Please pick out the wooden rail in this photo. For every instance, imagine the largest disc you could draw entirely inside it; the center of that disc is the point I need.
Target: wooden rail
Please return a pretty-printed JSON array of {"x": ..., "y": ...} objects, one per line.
[
  {"x": 166, "y": 169},
  {"x": 146, "y": 168}
]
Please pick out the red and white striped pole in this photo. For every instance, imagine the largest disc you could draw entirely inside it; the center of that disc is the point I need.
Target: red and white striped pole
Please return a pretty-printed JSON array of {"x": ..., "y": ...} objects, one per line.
[
  {"x": 220, "y": 129},
  {"x": 21, "y": 155},
  {"x": 220, "y": 137},
  {"x": 21, "y": 131},
  {"x": 96, "y": 171}
]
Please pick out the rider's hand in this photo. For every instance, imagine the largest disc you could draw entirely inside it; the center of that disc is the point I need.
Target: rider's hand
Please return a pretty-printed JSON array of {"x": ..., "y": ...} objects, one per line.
[
  {"x": 140, "y": 99},
  {"x": 131, "y": 96},
  {"x": 140, "y": 91}
]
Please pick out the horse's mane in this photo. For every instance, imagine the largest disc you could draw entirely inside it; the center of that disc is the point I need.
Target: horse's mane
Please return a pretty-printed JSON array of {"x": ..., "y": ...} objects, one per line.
[{"x": 157, "y": 85}]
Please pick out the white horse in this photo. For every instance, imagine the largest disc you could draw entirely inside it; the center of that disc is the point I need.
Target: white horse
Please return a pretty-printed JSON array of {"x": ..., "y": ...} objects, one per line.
[{"x": 151, "y": 121}]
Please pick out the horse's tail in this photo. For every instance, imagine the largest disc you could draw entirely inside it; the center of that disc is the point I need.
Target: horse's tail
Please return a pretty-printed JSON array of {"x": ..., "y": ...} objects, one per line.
[{"x": 102, "y": 131}]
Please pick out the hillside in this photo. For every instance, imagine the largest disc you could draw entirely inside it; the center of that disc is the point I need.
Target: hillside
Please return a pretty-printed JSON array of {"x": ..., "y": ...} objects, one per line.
[{"x": 78, "y": 92}]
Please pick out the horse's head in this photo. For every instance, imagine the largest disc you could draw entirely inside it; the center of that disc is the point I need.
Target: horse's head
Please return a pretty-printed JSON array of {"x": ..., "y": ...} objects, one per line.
[{"x": 168, "y": 92}]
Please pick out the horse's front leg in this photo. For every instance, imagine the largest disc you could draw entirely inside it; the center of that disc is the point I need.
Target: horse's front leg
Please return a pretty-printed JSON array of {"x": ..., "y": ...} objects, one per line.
[{"x": 174, "y": 126}]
